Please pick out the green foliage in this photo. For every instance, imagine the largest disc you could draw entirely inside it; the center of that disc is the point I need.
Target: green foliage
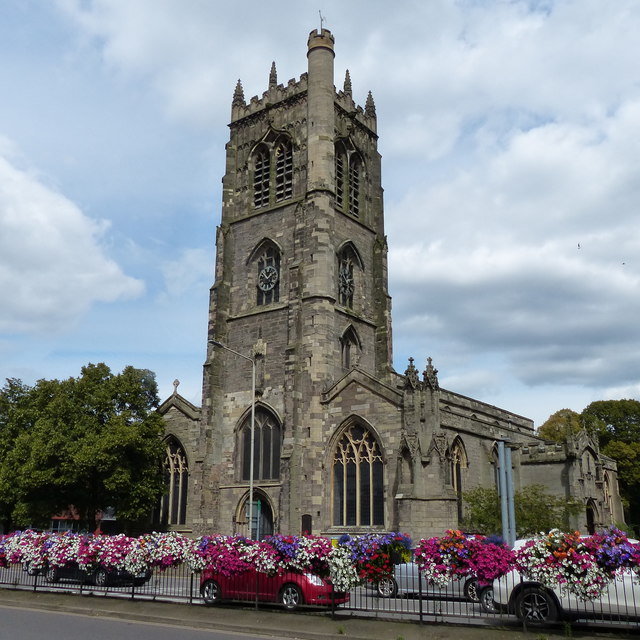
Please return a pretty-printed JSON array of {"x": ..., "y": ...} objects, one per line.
[
  {"x": 561, "y": 425},
  {"x": 617, "y": 424},
  {"x": 92, "y": 442},
  {"x": 535, "y": 511},
  {"x": 614, "y": 420}
]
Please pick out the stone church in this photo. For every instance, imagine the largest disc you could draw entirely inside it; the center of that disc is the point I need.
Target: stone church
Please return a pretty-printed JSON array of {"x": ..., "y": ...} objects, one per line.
[{"x": 300, "y": 349}]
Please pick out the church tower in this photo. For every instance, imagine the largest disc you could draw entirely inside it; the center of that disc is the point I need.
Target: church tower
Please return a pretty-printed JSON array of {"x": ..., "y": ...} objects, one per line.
[
  {"x": 301, "y": 289},
  {"x": 299, "y": 347}
]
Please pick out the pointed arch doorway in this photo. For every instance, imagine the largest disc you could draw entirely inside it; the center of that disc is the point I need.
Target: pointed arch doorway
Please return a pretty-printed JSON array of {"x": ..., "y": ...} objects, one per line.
[{"x": 262, "y": 524}]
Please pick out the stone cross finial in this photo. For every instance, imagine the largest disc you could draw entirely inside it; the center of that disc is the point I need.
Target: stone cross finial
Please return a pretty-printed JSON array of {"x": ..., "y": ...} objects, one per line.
[{"x": 176, "y": 384}]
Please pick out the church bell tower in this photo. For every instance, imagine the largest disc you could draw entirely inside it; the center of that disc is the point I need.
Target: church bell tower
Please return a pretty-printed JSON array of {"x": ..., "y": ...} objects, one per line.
[{"x": 300, "y": 289}]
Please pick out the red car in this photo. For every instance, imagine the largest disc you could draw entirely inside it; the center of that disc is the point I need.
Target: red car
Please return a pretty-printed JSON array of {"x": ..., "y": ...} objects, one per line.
[{"x": 289, "y": 588}]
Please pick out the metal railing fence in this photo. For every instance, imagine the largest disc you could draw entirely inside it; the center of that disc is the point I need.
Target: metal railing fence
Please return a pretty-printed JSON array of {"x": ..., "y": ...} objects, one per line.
[{"x": 409, "y": 598}]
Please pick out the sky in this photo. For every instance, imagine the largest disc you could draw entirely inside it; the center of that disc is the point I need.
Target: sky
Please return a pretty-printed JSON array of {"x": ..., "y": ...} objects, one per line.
[{"x": 511, "y": 171}]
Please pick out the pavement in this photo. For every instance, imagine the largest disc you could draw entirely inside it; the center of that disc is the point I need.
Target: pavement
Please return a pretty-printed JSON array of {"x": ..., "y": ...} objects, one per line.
[{"x": 312, "y": 625}]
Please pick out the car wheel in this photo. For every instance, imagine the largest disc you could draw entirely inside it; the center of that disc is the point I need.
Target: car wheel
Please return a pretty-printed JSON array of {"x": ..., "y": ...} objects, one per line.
[
  {"x": 485, "y": 597},
  {"x": 210, "y": 592},
  {"x": 471, "y": 589},
  {"x": 291, "y": 596},
  {"x": 101, "y": 577},
  {"x": 536, "y": 606},
  {"x": 387, "y": 588},
  {"x": 52, "y": 574}
]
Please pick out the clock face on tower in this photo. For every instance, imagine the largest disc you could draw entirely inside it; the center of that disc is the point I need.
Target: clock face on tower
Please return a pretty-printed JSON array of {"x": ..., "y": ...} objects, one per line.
[{"x": 267, "y": 278}]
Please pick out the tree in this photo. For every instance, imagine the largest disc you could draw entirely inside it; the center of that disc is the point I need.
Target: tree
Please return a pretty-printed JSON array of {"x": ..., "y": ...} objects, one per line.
[
  {"x": 91, "y": 442},
  {"x": 13, "y": 417},
  {"x": 617, "y": 423},
  {"x": 535, "y": 510},
  {"x": 561, "y": 425}
]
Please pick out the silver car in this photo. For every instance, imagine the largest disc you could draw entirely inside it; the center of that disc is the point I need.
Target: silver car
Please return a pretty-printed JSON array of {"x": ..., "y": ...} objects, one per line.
[
  {"x": 536, "y": 603},
  {"x": 407, "y": 579}
]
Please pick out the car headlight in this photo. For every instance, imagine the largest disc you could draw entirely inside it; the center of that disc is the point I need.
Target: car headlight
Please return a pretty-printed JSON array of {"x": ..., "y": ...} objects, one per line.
[{"x": 314, "y": 579}]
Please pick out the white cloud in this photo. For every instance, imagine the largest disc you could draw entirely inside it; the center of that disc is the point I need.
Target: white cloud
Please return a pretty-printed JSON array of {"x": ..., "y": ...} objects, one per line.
[
  {"x": 191, "y": 273},
  {"x": 52, "y": 266},
  {"x": 508, "y": 132}
]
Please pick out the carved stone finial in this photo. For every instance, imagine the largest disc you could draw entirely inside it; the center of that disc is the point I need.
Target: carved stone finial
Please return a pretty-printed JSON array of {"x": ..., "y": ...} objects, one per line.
[
  {"x": 176, "y": 384},
  {"x": 412, "y": 375},
  {"x": 430, "y": 375},
  {"x": 273, "y": 76},
  {"x": 347, "y": 84},
  {"x": 370, "y": 107},
  {"x": 238, "y": 96}
]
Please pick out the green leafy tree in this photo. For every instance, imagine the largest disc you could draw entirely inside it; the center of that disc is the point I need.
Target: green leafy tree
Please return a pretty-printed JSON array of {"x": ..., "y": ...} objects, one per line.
[
  {"x": 535, "y": 510},
  {"x": 91, "y": 442},
  {"x": 561, "y": 425},
  {"x": 617, "y": 423},
  {"x": 13, "y": 419}
]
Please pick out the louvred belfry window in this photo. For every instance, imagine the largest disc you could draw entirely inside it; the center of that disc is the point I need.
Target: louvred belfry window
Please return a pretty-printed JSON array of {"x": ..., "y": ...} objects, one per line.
[
  {"x": 348, "y": 169},
  {"x": 284, "y": 172},
  {"x": 272, "y": 163},
  {"x": 354, "y": 187},
  {"x": 341, "y": 161},
  {"x": 261, "y": 175}
]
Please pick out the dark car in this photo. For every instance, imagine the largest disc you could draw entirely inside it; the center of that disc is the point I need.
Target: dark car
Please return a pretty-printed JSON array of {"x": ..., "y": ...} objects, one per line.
[
  {"x": 100, "y": 576},
  {"x": 291, "y": 589}
]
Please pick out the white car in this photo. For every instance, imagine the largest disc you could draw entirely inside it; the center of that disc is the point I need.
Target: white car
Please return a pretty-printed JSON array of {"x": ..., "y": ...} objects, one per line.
[
  {"x": 536, "y": 603},
  {"x": 409, "y": 580}
]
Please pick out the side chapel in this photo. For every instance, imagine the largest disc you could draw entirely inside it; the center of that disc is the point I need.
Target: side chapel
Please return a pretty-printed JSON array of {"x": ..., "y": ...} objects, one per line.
[{"x": 342, "y": 443}]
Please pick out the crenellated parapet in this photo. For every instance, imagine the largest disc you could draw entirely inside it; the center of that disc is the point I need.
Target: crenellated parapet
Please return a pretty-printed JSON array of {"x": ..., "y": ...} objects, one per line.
[
  {"x": 275, "y": 94},
  {"x": 294, "y": 90}
]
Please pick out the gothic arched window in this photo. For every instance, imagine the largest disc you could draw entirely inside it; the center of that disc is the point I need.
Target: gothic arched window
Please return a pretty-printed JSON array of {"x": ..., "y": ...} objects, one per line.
[
  {"x": 458, "y": 462},
  {"x": 348, "y": 169},
  {"x": 173, "y": 505},
  {"x": 607, "y": 497},
  {"x": 350, "y": 348},
  {"x": 266, "y": 447},
  {"x": 268, "y": 275},
  {"x": 357, "y": 480}
]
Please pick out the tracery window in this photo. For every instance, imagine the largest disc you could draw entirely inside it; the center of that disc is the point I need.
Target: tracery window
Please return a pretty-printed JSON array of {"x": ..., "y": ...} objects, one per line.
[
  {"x": 357, "y": 482},
  {"x": 348, "y": 169},
  {"x": 173, "y": 504},
  {"x": 268, "y": 275},
  {"x": 266, "y": 447}
]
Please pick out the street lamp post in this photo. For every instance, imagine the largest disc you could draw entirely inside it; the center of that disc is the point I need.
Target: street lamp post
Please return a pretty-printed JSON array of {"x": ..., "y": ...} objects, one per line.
[{"x": 215, "y": 343}]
